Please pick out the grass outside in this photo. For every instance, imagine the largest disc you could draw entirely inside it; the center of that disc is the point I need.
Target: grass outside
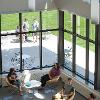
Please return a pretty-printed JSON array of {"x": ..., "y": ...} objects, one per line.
[{"x": 49, "y": 19}]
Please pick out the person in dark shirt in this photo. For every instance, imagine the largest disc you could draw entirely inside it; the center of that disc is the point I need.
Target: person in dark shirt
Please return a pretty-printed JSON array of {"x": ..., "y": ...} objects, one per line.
[
  {"x": 53, "y": 73},
  {"x": 13, "y": 79}
]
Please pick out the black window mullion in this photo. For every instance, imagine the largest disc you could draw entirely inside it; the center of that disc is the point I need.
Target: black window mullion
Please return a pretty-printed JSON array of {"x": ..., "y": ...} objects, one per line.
[
  {"x": 40, "y": 41},
  {"x": 20, "y": 24},
  {"x": 87, "y": 50},
  {"x": 74, "y": 44}
]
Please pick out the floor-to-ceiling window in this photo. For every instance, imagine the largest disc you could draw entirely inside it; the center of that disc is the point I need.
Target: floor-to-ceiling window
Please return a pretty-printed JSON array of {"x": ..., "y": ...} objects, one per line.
[
  {"x": 21, "y": 48},
  {"x": 28, "y": 54},
  {"x": 30, "y": 40},
  {"x": 68, "y": 40},
  {"x": 9, "y": 43},
  {"x": 84, "y": 46},
  {"x": 49, "y": 38}
]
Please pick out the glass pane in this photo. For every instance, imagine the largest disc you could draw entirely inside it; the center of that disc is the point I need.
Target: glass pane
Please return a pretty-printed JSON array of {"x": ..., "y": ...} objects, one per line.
[
  {"x": 10, "y": 50},
  {"x": 9, "y": 44},
  {"x": 91, "y": 61},
  {"x": 80, "y": 56},
  {"x": 9, "y": 22},
  {"x": 67, "y": 21},
  {"x": 31, "y": 17},
  {"x": 49, "y": 48},
  {"x": 92, "y": 32},
  {"x": 49, "y": 19},
  {"x": 68, "y": 50},
  {"x": 30, "y": 42},
  {"x": 81, "y": 26}
]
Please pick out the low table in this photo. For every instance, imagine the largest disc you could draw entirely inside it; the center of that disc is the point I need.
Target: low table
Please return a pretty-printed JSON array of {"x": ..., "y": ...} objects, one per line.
[{"x": 32, "y": 84}]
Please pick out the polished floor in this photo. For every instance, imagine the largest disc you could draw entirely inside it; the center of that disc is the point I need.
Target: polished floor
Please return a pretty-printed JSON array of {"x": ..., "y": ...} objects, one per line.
[{"x": 45, "y": 94}]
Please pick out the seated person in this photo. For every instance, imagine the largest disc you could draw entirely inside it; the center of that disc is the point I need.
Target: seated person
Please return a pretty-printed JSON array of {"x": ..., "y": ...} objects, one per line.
[
  {"x": 53, "y": 73},
  {"x": 91, "y": 97},
  {"x": 66, "y": 92},
  {"x": 13, "y": 79}
]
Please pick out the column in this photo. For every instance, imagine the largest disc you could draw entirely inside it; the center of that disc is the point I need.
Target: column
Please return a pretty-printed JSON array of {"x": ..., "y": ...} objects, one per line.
[
  {"x": 61, "y": 39},
  {"x": 97, "y": 58}
]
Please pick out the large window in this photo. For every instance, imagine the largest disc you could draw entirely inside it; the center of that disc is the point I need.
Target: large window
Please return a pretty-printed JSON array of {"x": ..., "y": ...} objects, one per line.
[
  {"x": 84, "y": 46},
  {"x": 67, "y": 21},
  {"x": 30, "y": 41},
  {"x": 37, "y": 47},
  {"x": 49, "y": 19},
  {"x": 49, "y": 38},
  {"x": 68, "y": 50},
  {"x": 91, "y": 62},
  {"x": 80, "y": 29},
  {"x": 23, "y": 51},
  {"x": 10, "y": 43},
  {"x": 9, "y": 22},
  {"x": 67, "y": 40},
  {"x": 80, "y": 56}
]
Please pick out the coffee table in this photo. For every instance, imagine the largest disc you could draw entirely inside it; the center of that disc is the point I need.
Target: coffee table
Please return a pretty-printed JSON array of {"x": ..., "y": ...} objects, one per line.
[{"x": 32, "y": 84}]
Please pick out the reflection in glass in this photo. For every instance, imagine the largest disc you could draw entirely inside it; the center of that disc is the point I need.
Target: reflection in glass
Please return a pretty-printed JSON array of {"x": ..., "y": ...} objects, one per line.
[
  {"x": 30, "y": 46},
  {"x": 67, "y": 21},
  {"x": 10, "y": 46},
  {"x": 68, "y": 50},
  {"x": 80, "y": 56},
  {"x": 91, "y": 62},
  {"x": 49, "y": 49}
]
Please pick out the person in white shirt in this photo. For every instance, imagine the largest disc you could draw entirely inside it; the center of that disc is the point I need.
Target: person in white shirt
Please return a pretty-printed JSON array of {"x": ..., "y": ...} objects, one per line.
[
  {"x": 35, "y": 27},
  {"x": 25, "y": 27}
]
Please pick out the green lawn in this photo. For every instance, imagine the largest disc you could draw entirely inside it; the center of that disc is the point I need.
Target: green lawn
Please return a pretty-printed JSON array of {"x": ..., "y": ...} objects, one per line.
[{"x": 49, "y": 20}]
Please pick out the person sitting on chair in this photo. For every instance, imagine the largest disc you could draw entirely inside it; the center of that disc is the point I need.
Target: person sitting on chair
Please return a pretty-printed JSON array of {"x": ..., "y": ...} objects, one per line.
[
  {"x": 13, "y": 79},
  {"x": 53, "y": 73},
  {"x": 66, "y": 92}
]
